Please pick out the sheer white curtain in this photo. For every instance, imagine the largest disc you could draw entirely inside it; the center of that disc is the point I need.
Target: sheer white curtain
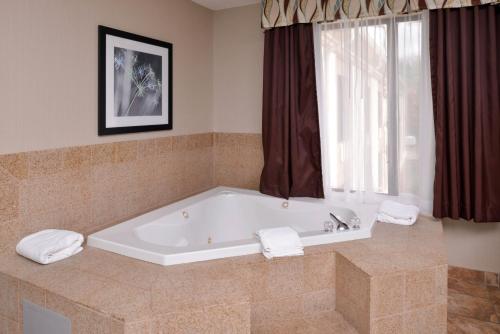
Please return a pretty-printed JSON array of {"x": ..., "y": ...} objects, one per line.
[{"x": 374, "y": 94}]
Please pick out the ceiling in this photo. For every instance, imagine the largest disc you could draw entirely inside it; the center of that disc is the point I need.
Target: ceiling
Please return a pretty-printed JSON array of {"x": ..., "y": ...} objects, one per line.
[{"x": 224, "y": 4}]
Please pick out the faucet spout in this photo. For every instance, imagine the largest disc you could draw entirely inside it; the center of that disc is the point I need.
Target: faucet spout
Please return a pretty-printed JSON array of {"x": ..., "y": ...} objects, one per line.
[{"x": 341, "y": 226}]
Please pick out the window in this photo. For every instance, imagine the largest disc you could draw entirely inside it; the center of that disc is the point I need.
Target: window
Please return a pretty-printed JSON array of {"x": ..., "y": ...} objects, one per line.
[{"x": 375, "y": 105}]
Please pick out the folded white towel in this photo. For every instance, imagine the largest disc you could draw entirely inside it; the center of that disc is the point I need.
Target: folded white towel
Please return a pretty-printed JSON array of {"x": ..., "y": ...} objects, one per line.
[
  {"x": 49, "y": 246},
  {"x": 397, "y": 213},
  {"x": 280, "y": 241}
]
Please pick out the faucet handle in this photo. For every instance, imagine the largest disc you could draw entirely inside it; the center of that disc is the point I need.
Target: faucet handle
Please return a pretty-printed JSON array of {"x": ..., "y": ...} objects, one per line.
[
  {"x": 355, "y": 223},
  {"x": 328, "y": 226}
]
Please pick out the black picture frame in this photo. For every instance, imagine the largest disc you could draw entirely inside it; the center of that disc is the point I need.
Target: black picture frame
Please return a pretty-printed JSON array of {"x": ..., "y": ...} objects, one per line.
[{"x": 103, "y": 129}]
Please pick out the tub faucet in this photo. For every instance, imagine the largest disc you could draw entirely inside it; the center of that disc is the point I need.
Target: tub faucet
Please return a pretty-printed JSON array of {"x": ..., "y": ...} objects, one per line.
[{"x": 341, "y": 226}]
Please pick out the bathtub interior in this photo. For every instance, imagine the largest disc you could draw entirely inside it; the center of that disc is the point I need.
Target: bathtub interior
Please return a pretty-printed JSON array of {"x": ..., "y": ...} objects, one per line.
[
  {"x": 230, "y": 215},
  {"x": 222, "y": 222}
]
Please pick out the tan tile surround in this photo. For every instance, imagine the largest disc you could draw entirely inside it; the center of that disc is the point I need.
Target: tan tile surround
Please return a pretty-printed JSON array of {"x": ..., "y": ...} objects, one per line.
[
  {"x": 87, "y": 187},
  {"x": 394, "y": 282},
  {"x": 365, "y": 286},
  {"x": 238, "y": 160}
]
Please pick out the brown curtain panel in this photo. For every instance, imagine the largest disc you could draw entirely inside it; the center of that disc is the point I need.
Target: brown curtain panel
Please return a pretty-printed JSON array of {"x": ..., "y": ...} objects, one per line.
[
  {"x": 290, "y": 126},
  {"x": 465, "y": 65}
]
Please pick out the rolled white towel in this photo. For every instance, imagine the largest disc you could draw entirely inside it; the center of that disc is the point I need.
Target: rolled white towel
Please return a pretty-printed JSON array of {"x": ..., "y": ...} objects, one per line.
[
  {"x": 49, "y": 246},
  {"x": 397, "y": 213},
  {"x": 280, "y": 241}
]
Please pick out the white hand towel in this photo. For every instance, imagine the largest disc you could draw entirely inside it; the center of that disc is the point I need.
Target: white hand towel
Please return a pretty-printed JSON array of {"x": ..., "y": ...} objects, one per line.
[
  {"x": 281, "y": 241},
  {"x": 49, "y": 246},
  {"x": 397, "y": 213}
]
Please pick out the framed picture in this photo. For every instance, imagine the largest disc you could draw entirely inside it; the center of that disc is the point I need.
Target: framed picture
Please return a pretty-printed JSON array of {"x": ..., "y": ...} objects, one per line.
[{"x": 135, "y": 83}]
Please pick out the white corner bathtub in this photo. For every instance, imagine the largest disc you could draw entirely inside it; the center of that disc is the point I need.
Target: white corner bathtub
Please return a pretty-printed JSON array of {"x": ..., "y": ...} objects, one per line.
[{"x": 222, "y": 223}]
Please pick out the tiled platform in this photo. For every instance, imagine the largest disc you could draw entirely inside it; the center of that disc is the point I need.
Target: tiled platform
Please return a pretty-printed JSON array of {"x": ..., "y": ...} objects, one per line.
[
  {"x": 394, "y": 282},
  {"x": 330, "y": 322},
  {"x": 103, "y": 292}
]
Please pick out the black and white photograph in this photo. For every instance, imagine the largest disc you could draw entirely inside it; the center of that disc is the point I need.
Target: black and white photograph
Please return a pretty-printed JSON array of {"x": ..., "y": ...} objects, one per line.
[{"x": 135, "y": 83}]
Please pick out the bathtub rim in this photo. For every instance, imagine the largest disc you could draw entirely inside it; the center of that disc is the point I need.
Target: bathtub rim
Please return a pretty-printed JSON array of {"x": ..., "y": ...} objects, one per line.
[{"x": 164, "y": 255}]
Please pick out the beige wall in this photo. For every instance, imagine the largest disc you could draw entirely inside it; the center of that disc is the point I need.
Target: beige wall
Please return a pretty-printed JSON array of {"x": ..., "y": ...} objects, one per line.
[
  {"x": 48, "y": 67},
  {"x": 474, "y": 246},
  {"x": 238, "y": 55}
]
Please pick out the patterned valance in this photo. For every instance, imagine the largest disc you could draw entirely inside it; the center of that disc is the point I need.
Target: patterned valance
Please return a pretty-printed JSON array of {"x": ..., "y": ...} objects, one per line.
[{"x": 280, "y": 13}]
